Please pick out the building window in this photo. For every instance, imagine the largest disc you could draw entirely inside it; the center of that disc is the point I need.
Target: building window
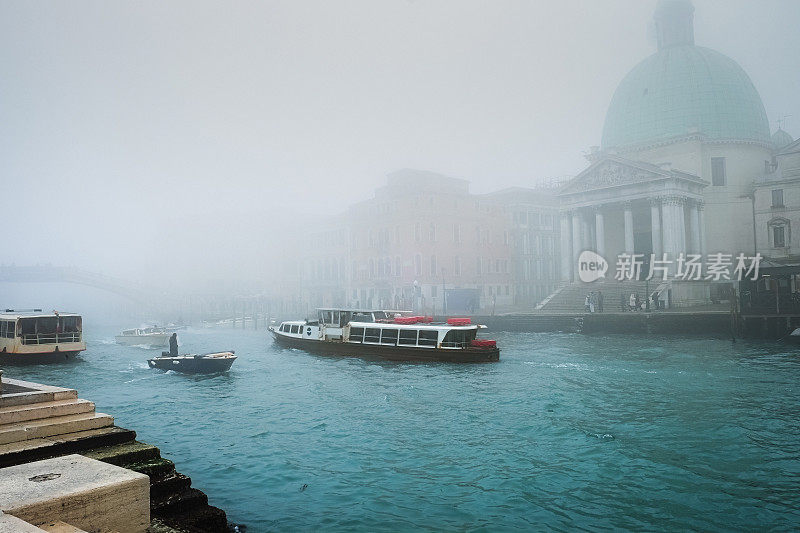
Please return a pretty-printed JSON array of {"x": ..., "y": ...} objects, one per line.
[
  {"x": 780, "y": 231},
  {"x": 718, "y": 177},
  {"x": 416, "y": 232},
  {"x": 777, "y": 197},
  {"x": 433, "y": 233},
  {"x": 433, "y": 266},
  {"x": 456, "y": 233},
  {"x": 417, "y": 265},
  {"x": 457, "y": 266},
  {"x": 433, "y": 291},
  {"x": 779, "y": 236},
  {"x": 478, "y": 265}
]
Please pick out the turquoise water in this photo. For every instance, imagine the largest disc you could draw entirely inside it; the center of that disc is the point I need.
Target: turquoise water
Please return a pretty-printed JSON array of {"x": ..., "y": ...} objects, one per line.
[{"x": 566, "y": 432}]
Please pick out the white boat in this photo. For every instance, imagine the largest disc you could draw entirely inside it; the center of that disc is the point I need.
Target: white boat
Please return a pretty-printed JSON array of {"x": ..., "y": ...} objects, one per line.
[
  {"x": 32, "y": 337},
  {"x": 387, "y": 335},
  {"x": 144, "y": 336}
]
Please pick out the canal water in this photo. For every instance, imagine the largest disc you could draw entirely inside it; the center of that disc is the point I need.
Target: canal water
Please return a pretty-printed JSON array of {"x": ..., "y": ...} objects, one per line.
[{"x": 565, "y": 432}]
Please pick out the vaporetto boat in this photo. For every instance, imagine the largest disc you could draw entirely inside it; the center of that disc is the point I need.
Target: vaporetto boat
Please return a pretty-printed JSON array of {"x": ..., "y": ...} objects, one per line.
[
  {"x": 153, "y": 336},
  {"x": 33, "y": 337},
  {"x": 388, "y": 335}
]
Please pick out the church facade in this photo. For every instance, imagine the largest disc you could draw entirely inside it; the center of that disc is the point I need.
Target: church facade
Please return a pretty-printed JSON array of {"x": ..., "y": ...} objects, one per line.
[{"x": 685, "y": 140}]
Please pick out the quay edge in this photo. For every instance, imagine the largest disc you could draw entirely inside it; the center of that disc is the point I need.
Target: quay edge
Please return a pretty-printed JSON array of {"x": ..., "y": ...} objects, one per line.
[
  {"x": 713, "y": 323},
  {"x": 39, "y": 422}
]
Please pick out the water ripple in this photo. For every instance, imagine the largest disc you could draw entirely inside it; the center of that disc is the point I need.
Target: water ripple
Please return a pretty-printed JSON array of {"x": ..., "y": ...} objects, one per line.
[{"x": 566, "y": 433}]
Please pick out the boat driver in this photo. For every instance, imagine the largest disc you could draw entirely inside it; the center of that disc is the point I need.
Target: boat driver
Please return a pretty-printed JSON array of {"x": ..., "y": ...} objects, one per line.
[{"x": 173, "y": 345}]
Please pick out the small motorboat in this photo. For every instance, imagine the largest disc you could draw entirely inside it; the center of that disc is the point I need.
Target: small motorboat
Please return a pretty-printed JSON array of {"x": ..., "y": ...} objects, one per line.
[
  {"x": 153, "y": 337},
  {"x": 207, "y": 363}
]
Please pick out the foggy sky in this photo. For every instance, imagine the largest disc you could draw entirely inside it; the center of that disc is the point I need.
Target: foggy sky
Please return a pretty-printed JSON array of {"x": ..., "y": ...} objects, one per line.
[{"x": 138, "y": 137}]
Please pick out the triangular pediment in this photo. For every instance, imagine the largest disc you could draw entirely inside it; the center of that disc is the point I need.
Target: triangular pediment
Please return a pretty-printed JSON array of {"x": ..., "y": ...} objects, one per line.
[
  {"x": 607, "y": 173},
  {"x": 611, "y": 171}
]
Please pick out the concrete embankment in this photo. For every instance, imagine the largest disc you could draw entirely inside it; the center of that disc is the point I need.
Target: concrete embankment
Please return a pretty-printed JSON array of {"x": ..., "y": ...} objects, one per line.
[
  {"x": 39, "y": 422},
  {"x": 660, "y": 323}
]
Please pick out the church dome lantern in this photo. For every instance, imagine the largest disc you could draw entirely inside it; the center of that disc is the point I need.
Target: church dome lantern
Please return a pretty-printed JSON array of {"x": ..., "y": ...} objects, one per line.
[{"x": 683, "y": 90}]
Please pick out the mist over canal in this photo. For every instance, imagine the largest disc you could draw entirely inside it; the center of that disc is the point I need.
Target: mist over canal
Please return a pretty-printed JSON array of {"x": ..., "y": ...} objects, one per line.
[{"x": 565, "y": 432}]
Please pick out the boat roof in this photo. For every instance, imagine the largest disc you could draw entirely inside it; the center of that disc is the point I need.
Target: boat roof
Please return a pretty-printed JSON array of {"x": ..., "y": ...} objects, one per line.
[
  {"x": 31, "y": 313},
  {"x": 357, "y": 310},
  {"x": 418, "y": 325}
]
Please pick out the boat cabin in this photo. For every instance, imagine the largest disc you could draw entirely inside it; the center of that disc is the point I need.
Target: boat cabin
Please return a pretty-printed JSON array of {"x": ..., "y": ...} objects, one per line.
[
  {"x": 381, "y": 327},
  {"x": 138, "y": 332},
  {"x": 35, "y": 327},
  {"x": 421, "y": 336}
]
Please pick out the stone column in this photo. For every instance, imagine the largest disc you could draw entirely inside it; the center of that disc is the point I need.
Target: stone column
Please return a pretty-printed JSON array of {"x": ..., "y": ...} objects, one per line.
[
  {"x": 655, "y": 225},
  {"x": 681, "y": 223},
  {"x": 694, "y": 228},
  {"x": 599, "y": 232},
  {"x": 577, "y": 245},
  {"x": 586, "y": 234},
  {"x": 701, "y": 226},
  {"x": 628, "y": 228},
  {"x": 566, "y": 246},
  {"x": 668, "y": 228},
  {"x": 673, "y": 226}
]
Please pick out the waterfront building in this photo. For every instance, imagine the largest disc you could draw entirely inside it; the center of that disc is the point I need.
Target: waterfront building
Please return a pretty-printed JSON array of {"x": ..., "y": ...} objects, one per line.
[
  {"x": 776, "y": 203},
  {"x": 531, "y": 219},
  {"x": 685, "y": 140},
  {"x": 421, "y": 234}
]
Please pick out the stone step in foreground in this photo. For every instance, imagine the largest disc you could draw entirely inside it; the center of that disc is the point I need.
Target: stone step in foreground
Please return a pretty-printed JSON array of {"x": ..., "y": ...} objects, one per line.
[
  {"x": 44, "y": 422},
  {"x": 19, "y": 392},
  {"x": 83, "y": 492},
  {"x": 23, "y": 413},
  {"x": 44, "y": 448},
  {"x": 58, "y": 425},
  {"x": 173, "y": 502}
]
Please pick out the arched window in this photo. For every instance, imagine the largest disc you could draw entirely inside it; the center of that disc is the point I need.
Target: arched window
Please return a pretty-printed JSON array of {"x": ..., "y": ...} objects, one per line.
[
  {"x": 417, "y": 265},
  {"x": 780, "y": 232}
]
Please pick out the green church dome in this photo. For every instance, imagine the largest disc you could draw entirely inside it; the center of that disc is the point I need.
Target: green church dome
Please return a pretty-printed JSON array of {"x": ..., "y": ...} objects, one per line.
[{"x": 683, "y": 89}]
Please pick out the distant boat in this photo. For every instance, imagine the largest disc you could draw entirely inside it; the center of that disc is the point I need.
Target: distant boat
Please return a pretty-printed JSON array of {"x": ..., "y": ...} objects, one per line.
[
  {"x": 387, "y": 335},
  {"x": 143, "y": 336},
  {"x": 33, "y": 337},
  {"x": 793, "y": 337},
  {"x": 208, "y": 363}
]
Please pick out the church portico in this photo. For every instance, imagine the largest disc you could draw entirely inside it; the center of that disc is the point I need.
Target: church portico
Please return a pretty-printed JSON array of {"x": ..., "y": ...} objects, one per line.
[{"x": 620, "y": 206}]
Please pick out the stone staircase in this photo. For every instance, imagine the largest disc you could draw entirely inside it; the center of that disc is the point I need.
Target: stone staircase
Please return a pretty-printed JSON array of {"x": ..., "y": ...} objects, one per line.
[
  {"x": 41, "y": 414},
  {"x": 570, "y": 298},
  {"x": 40, "y": 422}
]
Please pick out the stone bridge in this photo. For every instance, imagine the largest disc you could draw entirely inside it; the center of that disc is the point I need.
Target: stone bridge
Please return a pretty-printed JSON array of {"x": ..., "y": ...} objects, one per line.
[{"x": 169, "y": 304}]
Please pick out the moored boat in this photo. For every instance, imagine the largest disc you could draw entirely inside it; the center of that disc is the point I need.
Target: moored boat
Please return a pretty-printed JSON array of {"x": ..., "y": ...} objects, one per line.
[
  {"x": 33, "y": 337},
  {"x": 793, "y": 337},
  {"x": 153, "y": 336},
  {"x": 382, "y": 335},
  {"x": 208, "y": 363}
]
